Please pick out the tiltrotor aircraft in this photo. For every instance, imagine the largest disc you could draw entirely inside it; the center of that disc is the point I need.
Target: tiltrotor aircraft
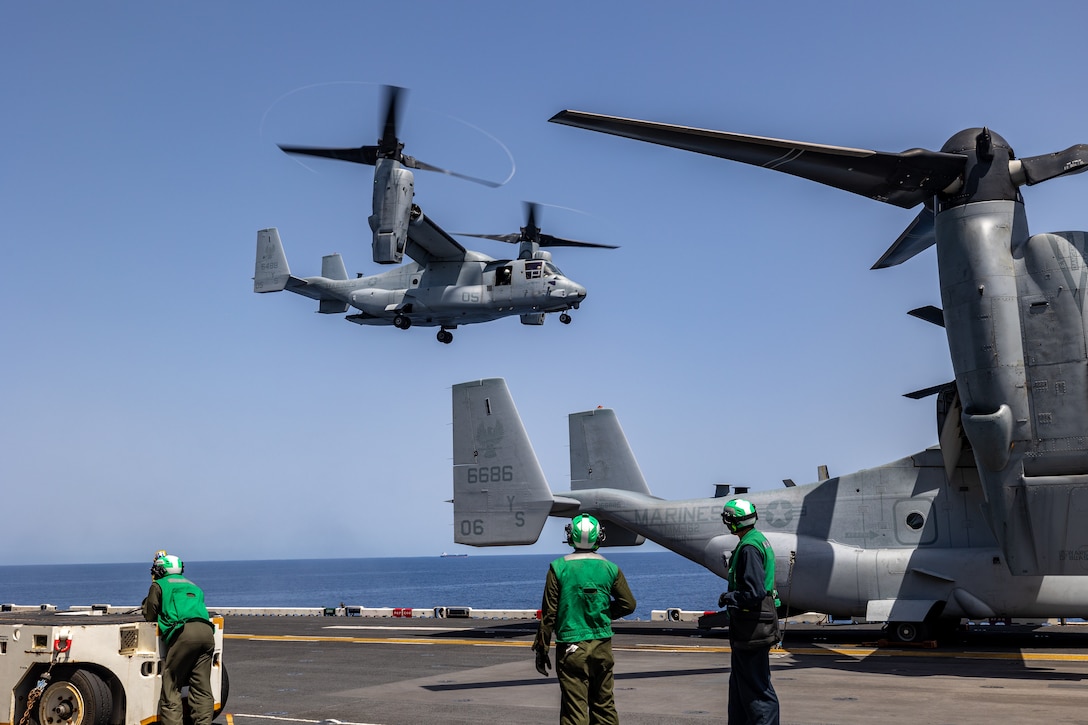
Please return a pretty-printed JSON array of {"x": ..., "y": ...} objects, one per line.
[
  {"x": 446, "y": 285},
  {"x": 988, "y": 524}
]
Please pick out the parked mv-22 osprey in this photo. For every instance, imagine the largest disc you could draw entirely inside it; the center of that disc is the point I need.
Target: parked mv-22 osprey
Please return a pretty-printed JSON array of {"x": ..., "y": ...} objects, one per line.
[
  {"x": 445, "y": 285},
  {"x": 989, "y": 524}
]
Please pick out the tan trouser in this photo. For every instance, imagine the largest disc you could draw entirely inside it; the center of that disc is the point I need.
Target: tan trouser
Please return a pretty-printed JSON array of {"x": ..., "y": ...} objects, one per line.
[
  {"x": 188, "y": 662},
  {"x": 585, "y": 680}
]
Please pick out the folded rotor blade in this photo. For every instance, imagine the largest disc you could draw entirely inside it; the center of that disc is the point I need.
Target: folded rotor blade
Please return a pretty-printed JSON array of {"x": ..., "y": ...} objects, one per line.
[
  {"x": 919, "y": 236},
  {"x": 1060, "y": 163},
  {"x": 362, "y": 155},
  {"x": 903, "y": 179}
]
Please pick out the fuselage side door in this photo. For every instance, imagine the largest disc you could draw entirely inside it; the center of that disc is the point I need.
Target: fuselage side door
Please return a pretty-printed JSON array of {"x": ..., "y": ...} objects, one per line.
[{"x": 502, "y": 287}]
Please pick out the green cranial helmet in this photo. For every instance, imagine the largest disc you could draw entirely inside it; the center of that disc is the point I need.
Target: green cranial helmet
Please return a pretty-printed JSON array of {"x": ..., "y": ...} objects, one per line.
[
  {"x": 585, "y": 533},
  {"x": 166, "y": 564},
  {"x": 739, "y": 514}
]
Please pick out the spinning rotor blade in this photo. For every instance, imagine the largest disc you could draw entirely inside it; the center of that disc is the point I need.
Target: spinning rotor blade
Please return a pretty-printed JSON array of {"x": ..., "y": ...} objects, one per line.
[
  {"x": 389, "y": 145},
  {"x": 362, "y": 155},
  {"x": 508, "y": 238},
  {"x": 1060, "y": 163},
  {"x": 531, "y": 233},
  {"x": 413, "y": 163},
  {"x": 547, "y": 240},
  {"x": 903, "y": 179}
]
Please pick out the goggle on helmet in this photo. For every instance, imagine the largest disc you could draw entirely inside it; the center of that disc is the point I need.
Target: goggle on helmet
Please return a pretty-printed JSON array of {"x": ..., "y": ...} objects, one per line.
[{"x": 739, "y": 514}]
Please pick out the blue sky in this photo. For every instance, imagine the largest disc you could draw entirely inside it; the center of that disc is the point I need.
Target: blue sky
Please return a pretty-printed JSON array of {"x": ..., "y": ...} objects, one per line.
[{"x": 150, "y": 399}]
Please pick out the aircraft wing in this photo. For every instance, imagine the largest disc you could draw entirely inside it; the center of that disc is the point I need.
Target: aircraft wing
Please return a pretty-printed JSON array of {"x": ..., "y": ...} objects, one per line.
[
  {"x": 903, "y": 179},
  {"x": 428, "y": 242}
]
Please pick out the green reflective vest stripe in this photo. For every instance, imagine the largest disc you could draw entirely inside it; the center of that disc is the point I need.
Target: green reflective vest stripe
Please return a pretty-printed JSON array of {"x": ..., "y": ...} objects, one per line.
[
  {"x": 758, "y": 540},
  {"x": 585, "y": 596},
  {"x": 182, "y": 601}
]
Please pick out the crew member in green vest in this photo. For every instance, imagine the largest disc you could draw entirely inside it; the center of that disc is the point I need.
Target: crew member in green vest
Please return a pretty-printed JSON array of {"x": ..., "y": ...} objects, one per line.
[
  {"x": 753, "y": 619},
  {"x": 189, "y": 637},
  {"x": 583, "y": 593}
]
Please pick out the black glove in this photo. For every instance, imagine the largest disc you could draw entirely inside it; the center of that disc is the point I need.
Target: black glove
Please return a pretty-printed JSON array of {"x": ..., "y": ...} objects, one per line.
[
  {"x": 543, "y": 664},
  {"x": 725, "y": 599}
]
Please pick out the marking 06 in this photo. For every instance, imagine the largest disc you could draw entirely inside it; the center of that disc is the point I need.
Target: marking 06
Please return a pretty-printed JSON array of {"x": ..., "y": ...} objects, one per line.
[{"x": 475, "y": 527}]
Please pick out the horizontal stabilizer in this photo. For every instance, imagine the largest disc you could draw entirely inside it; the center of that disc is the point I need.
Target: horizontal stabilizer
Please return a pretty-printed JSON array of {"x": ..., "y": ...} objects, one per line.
[
  {"x": 500, "y": 495},
  {"x": 271, "y": 272},
  {"x": 616, "y": 535}
]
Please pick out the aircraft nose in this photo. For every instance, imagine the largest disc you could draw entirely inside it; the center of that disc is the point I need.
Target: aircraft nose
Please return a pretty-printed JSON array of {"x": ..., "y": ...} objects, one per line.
[
  {"x": 574, "y": 289},
  {"x": 568, "y": 288}
]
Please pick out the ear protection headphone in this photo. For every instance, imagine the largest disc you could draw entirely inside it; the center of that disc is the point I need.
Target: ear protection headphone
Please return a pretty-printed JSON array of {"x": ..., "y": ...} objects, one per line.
[{"x": 573, "y": 538}]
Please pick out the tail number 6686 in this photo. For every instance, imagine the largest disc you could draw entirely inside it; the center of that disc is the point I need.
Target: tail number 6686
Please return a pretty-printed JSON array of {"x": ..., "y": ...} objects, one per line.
[{"x": 490, "y": 474}]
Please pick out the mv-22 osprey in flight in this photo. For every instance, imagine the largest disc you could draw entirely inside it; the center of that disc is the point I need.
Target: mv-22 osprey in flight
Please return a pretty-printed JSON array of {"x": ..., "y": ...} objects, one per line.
[
  {"x": 445, "y": 285},
  {"x": 990, "y": 523}
]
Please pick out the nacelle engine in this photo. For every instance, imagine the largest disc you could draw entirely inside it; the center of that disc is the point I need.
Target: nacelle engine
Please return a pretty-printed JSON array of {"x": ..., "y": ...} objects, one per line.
[{"x": 394, "y": 188}]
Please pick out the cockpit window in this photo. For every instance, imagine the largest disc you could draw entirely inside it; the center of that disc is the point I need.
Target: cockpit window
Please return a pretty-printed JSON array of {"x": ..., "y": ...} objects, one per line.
[{"x": 538, "y": 268}]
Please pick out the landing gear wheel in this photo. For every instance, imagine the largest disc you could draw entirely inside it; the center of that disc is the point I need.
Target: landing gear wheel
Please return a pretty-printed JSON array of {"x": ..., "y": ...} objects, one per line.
[
  {"x": 401, "y": 322},
  {"x": 908, "y": 632},
  {"x": 564, "y": 318},
  {"x": 80, "y": 699},
  {"x": 445, "y": 337}
]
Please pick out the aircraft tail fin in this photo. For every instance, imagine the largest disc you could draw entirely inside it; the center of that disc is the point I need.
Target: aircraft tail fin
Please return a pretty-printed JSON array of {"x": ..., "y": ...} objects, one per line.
[
  {"x": 271, "y": 272},
  {"x": 500, "y": 495},
  {"x": 332, "y": 267},
  {"x": 600, "y": 456}
]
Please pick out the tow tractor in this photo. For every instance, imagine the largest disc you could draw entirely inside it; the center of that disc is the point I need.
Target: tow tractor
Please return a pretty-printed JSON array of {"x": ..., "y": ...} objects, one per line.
[{"x": 88, "y": 667}]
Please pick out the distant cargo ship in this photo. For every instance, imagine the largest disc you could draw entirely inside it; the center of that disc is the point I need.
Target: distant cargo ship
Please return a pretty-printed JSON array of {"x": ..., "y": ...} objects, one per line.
[{"x": 447, "y": 555}]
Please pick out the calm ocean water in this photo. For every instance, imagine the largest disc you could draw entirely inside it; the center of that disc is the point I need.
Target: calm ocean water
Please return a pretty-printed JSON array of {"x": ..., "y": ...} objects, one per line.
[{"x": 658, "y": 579}]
